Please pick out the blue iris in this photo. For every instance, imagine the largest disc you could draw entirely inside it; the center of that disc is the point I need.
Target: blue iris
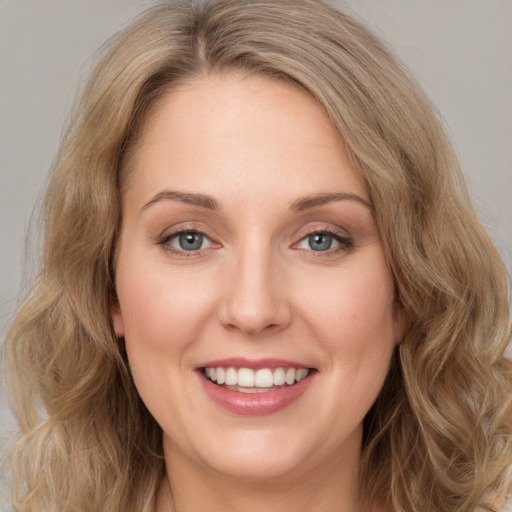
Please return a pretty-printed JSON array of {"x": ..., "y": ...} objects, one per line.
[
  {"x": 320, "y": 241},
  {"x": 190, "y": 241}
]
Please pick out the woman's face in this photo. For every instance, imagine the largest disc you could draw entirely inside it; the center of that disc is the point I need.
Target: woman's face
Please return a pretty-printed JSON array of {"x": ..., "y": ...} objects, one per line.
[{"x": 248, "y": 260}]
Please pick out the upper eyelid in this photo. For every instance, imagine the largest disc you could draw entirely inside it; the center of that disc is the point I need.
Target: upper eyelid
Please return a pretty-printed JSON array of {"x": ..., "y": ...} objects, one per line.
[
  {"x": 333, "y": 234},
  {"x": 164, "y": 238},
  {"x": 301, "y": 236},
  {"x": 174, "y": 234},
  {"x": 329, "y": 229},
  {"x": 184, "y": 228}
]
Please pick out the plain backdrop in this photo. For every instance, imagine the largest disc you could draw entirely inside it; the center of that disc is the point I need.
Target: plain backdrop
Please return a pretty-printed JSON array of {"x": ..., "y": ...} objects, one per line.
[{"x": 459, "y": 51}]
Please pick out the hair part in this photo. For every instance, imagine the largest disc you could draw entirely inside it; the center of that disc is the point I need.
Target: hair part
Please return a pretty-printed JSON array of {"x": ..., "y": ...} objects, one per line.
[{"x": 440, "y": 435}]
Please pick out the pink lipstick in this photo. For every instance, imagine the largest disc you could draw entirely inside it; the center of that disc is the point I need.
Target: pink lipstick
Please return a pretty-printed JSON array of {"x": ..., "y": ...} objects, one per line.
[{"x": 254, "y": 387}]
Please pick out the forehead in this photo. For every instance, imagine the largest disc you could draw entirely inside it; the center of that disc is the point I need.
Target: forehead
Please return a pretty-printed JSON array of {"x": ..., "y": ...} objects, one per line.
[{"x": 238, "y": 135}]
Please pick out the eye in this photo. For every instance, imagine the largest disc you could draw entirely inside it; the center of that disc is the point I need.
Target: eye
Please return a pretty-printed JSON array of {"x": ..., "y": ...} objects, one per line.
[
  {"x": 188, "y": 241},
  {"x": 320, "y": 241},
  {"x": 323, "y": 241}
]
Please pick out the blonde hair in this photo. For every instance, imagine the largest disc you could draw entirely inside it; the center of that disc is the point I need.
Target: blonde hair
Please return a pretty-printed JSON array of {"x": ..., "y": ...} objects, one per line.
[{"x": 439, "y": 436}]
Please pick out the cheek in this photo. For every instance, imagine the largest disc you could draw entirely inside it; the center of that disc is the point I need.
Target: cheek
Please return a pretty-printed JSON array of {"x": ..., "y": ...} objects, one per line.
[
  {"x": 163, "y": 315},
  {"x": 160, "y": 307},
  {"x": 356, "y": 303},
  {"x": 352, "y": 314}
]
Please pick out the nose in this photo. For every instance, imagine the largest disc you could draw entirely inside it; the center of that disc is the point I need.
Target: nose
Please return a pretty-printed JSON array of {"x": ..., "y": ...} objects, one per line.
[{"x": 255, "y": 296}]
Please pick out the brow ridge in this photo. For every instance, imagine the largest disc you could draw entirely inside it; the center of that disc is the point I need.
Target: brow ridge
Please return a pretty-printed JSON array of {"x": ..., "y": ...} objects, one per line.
[
  {"x": 304, "y": 203},
  {"x": 301, "y": 204},
  {"x": 194, "y": 199}
]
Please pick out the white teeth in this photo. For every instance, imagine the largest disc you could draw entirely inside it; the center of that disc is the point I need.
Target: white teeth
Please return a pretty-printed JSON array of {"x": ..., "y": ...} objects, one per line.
[
  {"x": 290, "y": 376},
  {"x": 246, "y": 378},
  {"x": 263, "y": 379},
  {"x": 221, "y": 375},
  {"x": 231, "y": 377},
  {"x": 279, "y": 377}
]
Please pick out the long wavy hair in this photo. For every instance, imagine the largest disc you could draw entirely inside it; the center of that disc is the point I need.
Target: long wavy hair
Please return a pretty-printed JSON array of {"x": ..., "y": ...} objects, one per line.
[{"x": 438, "y": 438}]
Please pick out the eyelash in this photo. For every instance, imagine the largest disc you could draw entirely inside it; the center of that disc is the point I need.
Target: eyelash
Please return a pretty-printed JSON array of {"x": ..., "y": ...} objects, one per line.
[
  {"x": 164, "y": 242},
  {"x": 346, "y": 244}
]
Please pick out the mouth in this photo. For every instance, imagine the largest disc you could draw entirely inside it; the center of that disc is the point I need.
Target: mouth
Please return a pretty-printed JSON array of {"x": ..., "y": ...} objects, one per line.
[
  {"x": 255, "y": 388},
  {"x": 248, "y": 380}
]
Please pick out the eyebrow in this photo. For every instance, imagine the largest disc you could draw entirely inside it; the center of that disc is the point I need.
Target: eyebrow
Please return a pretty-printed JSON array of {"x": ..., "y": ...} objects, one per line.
[
  {"x": 307, "y": 202},
  {"x": 301, "y": 204},
  {"x": 201, "y": 200}
]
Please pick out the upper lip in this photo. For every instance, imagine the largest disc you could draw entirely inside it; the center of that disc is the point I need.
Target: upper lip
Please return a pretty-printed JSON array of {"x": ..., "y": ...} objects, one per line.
[{"x": 254, "y": 364}]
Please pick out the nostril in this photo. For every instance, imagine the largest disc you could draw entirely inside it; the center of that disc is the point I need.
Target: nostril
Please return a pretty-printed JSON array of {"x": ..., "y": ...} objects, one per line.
[{"x": 252, "y": 329}]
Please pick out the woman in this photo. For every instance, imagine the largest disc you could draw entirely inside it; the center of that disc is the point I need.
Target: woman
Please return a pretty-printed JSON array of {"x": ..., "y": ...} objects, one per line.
[{"x": 262, "y": 278}]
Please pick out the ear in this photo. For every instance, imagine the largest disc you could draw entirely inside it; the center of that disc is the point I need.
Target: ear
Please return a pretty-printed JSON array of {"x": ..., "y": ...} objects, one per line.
[{"x": 117, "y": 318}]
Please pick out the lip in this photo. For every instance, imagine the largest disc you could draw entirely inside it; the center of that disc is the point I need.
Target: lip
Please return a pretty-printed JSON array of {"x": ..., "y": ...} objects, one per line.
[
  {"x": 253, "y": 364},
  {"x": 255, "y": 404}
]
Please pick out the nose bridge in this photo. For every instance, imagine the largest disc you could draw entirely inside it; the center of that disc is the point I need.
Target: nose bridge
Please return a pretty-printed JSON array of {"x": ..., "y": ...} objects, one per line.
[{"x": 255, "y": 300}]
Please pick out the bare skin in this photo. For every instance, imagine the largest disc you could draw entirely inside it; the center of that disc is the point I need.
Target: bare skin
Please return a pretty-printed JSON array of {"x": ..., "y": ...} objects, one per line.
[{"x": 247, "y": 234}]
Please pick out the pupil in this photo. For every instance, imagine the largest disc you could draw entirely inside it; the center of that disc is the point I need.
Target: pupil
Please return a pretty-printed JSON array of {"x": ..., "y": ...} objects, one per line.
[
  {"x": 191, "y": 241},
  {"x": 320, "y": 242}
]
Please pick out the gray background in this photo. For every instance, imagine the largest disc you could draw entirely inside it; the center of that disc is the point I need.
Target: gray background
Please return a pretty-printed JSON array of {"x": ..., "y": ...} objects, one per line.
[{"x": 460, "y": 51}]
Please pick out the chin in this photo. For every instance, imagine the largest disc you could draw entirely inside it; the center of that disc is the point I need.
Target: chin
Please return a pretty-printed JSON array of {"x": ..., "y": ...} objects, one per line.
[
  {"x": 253, "y": 454},
  {"x": 256, "y": 467}
]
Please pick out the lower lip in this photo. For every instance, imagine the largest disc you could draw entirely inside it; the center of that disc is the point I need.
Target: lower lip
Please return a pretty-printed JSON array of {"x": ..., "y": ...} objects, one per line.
[{"x": 255, "y": 404}]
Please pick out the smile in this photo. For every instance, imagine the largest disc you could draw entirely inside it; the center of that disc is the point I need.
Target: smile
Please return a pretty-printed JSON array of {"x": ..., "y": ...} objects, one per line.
[
  {"x": 247, "y": 380},
  {"x": 255, "y": 388}
]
